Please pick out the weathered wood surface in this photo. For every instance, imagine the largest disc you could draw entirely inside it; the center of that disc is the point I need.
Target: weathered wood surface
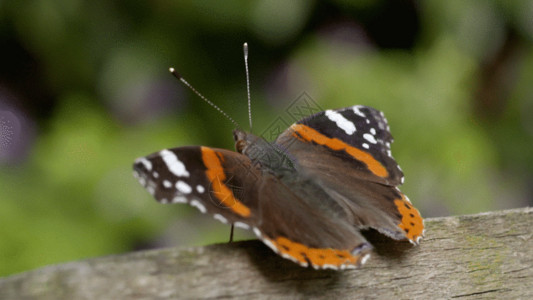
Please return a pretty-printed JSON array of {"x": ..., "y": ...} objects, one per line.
[{"x": 488, "y": 255}]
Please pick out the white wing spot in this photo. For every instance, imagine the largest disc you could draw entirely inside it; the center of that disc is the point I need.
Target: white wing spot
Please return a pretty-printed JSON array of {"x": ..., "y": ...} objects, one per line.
[
  {"x": 289, "y": 257},
  {"x": 341, "y": 121},
  {"x": 270, "y": 245},
  {"x": 351, "y": 267},
  {"x": 370, "y": 138},
  {"x": 183, "y": 187},
  {"x": 167, "y": 184},
  {"x": 373, "y": 131},
  {"x": 164, "y": 200},
  {"x": 220, "y": 218},
  {"x": 174, "y": 165},
  {"x": 155, "y": 174},
  {"x": 147, "y": 164},
  {"x": 241, "y": 225},
  {"x": 257, "y": 232},
  {"x": 200, "y": 189},
  {"x": 365, "y": 258},
  {"x": 199, "y": 205},
  {"x": 358, "y": 112},
  {"x": 366, "y": 146},
  {"x": 179, "y": 199}
]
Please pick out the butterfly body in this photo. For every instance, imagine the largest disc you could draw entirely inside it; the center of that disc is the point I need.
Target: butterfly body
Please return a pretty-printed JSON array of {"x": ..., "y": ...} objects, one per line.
[{"x": 306, "y": 195}]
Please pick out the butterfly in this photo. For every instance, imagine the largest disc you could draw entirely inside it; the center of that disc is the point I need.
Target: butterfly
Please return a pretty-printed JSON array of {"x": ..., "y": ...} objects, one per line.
[{"x": 307, "y": 195}]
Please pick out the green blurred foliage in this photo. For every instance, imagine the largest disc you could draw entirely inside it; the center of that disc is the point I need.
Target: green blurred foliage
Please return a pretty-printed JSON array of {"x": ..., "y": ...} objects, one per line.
[{"x": 91, "y": 76}]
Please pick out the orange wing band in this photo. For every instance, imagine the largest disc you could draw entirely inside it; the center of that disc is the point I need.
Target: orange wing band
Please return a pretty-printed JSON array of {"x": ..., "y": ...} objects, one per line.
[
  {"x": 412, "y": 223},
  {"x": 310, "y": 135},
  {"x": 215, "y": 174},
  {"x": 318, "y": 257}
]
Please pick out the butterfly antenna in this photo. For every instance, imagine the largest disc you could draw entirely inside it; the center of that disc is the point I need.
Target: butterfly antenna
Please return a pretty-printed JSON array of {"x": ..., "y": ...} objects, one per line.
[
  {"x": 245, "y": 49},
  {"x": 178, "y": 76}
]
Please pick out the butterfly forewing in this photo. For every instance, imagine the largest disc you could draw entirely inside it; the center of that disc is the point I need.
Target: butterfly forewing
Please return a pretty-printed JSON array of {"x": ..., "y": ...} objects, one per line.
[
  {"x": 212, "y": 180},
  {"x": 359, "y": 135}
]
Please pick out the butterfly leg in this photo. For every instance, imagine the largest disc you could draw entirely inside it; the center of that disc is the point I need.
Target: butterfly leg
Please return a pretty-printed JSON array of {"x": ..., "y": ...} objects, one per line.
[{"x": 231, "y": 234}]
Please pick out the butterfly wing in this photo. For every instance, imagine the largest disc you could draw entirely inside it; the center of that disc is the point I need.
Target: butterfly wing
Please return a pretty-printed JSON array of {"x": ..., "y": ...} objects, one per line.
[
  {"x": 211, "y": 180},
  {"x": 347, "y": 153},
  {"x": 227, "y": 185},
  {"x": 301, "y": 229}
]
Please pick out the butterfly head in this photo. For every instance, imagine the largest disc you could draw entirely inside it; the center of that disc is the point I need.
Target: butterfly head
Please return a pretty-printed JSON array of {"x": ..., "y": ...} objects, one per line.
[
  {"x": 243, "y": 140},
  {"x": 263, "y": 153}
]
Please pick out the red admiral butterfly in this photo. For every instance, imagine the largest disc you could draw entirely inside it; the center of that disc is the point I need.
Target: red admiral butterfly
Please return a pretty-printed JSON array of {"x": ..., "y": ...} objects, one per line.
[{"x": 307, "y": 195}]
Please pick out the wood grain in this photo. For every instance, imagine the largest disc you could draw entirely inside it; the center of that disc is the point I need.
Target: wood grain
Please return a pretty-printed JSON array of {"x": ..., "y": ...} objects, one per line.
[{"x": 488, "y": 255}]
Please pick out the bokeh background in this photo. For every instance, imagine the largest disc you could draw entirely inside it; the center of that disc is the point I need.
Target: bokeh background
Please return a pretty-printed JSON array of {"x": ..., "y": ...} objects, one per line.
[{"x": 84, "y": 90}]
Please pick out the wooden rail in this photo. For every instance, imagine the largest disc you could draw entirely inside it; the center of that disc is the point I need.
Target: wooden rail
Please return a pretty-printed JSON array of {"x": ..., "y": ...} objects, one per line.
[{"x": 488, "y": 255}]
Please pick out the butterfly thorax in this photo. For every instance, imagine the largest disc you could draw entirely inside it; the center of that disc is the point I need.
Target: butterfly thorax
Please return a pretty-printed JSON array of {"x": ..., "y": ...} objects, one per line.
[{"x": 263, "y": 154}]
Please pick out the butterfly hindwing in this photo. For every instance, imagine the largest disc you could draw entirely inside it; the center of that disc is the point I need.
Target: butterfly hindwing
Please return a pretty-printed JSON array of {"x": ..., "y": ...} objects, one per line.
[
  {"x": 378, "y": 206},
  {"x": 295, "y": 229}
]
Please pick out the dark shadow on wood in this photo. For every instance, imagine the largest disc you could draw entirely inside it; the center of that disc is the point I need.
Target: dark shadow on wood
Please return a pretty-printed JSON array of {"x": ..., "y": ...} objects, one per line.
[
  {"x": 386, "y": 247},
  {"x": 293, "y": 276}
]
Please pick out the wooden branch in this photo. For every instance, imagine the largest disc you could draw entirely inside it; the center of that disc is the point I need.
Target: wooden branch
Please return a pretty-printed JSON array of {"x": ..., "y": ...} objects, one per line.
[{"x": 486, "y": 255}]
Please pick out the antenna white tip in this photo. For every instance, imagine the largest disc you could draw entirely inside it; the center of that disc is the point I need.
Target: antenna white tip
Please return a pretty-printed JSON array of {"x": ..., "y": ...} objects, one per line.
[
  {"x": 245, "y": 49},
  {"x": 175, "y": 73}
]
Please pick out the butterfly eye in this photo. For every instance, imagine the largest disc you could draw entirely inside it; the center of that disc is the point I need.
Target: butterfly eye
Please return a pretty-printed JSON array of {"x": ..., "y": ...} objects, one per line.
[{"x": 240, "y": 145}]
